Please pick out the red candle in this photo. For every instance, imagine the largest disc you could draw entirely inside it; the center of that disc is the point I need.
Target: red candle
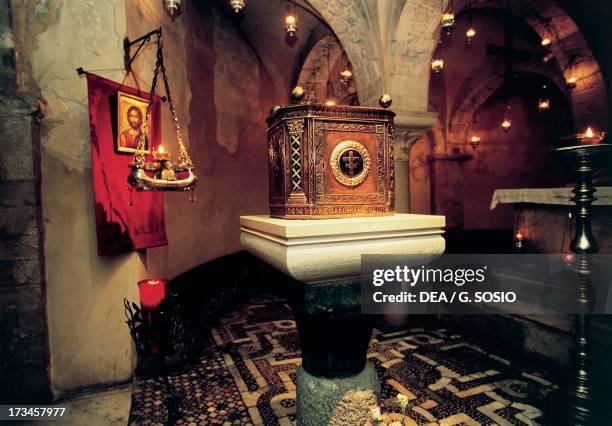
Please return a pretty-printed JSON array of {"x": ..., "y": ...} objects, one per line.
[{"x": 152, "y": 292}]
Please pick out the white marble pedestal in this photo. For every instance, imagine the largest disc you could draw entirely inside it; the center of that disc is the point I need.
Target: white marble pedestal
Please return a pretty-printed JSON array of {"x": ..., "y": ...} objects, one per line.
[
  {"x": 322, "y": 263},
  {"x": 329, "y": 249}
]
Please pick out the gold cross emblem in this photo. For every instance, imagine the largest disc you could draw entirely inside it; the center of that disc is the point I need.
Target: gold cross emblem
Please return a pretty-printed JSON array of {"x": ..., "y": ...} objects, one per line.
[{"x": 351, "y": 162}]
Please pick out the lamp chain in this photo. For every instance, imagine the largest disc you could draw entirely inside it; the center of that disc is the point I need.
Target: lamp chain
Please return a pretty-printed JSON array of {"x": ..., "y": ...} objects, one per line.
[{"x": 139, "y": 156}]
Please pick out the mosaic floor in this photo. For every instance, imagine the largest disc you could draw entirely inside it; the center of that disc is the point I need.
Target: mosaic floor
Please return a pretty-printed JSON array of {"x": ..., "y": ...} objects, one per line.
[{"x": 248, "y": 377}]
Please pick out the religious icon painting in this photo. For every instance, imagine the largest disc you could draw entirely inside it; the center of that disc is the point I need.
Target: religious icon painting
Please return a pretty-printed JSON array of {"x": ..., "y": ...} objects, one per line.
[{"x": 131, "y": 112}]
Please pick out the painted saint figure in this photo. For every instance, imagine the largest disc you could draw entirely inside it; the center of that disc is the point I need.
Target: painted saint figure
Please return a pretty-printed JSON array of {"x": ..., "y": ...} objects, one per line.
[{"x": 129, "y": 137}]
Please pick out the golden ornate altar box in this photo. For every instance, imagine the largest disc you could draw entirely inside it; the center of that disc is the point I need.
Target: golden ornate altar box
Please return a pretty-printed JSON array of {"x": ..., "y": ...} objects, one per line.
[{"x": 330, "y": 161}]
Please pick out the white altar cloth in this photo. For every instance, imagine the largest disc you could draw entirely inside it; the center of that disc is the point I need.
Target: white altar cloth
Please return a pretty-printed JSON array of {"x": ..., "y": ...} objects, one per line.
[{"x": 559, "y": 196}]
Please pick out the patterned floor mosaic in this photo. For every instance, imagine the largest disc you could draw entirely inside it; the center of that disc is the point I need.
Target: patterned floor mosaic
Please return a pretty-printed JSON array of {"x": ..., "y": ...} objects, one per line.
[{"x": 248, "y": 377}]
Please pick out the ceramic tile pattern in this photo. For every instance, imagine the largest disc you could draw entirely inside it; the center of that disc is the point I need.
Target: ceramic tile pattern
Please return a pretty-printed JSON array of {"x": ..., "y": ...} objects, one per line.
[{"x": 248, "y": 376}]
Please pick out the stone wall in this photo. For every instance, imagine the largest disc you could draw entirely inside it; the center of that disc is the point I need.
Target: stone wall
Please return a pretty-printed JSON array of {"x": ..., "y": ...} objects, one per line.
[
  {"x": 88, "y": 340},
  {"x": 223, "y": 120},
  {"x": 24, "y": 355}
]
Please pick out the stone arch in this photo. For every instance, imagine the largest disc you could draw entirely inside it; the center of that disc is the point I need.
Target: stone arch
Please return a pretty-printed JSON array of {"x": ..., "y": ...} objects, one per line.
[
  {"x": 315, "y": 64},
  {"x": 481, "y": 87},
  {"x": 412, "y": 42},
  {"x": 462, "y": 112},
  {"x": 589, "y": 98},
  {"x": 351, "y": 22}
]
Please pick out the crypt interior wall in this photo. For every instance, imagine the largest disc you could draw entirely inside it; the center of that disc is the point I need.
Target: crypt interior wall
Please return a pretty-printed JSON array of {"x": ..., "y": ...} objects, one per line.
[
  {"x": 223, "y": 94},
  {"x": 88, "y": 340},
  {"x": 447, "y": 176}
]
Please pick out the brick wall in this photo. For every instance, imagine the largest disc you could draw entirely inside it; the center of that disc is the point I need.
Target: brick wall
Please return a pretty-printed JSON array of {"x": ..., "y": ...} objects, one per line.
[{"x": 24, "y": 358}]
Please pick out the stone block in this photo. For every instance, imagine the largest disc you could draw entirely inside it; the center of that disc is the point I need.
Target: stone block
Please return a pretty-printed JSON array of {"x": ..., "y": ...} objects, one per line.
[
  {"x": 338, "y": 402},
  {"x": 15, "y": 127},
  {"x": 19, "y": 272},
  {"x": 19, "y": 299},
  {"x": 17, "y": 220},
  {"x": 16, "y": 193},
  {"x": 16, "y": 166},
  {"x": 23, "y": 246}
]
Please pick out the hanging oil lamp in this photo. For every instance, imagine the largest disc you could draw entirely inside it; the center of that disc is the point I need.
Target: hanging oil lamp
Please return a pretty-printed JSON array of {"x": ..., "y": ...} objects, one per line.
[
  {"x": 470, "y": 33},
  {"x": 546, "y": 41},
  {"x": 166, "y": 175},
  {"x": 506, "y": 122},
  {"x": 448, "y": 19},
  {"x": 346, "y": 75},
  {"x": 437, "y": 65},
  {"x": 518, "y": 239},
  {"x": 475, "y": 141},
  {"x": 544, "y": 101},
  {"x": 291, "y": 20},
  {"x": 475, "y": 138},
  {"x": 469, "y": 36},
  {"x": 543, "y": 105},
  {"x": 330, "y": 100},
  {"x": 173, "y": 7},
  {"x": 448, "y": 22},
  {"x": 237, "y": 5},
  {"x": 571, "y": 81}
]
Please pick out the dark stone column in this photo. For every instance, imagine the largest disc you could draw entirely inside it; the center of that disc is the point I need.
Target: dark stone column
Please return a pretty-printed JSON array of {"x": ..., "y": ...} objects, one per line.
[{"x": 335, "y": 385}]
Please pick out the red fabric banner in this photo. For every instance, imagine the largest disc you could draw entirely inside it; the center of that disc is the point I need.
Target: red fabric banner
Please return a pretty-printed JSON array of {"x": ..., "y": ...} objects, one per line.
[{"x": 121, "y": 227}]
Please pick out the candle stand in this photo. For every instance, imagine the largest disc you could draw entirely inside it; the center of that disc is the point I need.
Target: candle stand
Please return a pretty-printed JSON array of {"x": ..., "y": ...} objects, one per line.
[
  {"x": 575, "y": 403},
  {"x": 157, "y": 334}
]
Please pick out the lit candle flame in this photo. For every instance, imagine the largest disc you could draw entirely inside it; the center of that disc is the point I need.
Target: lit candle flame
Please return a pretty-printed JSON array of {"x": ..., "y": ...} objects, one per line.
[
  {"x": 519, "y": 236},
  {"x": 589, "y": 133},
  {"x": 160, "y": 149}
]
